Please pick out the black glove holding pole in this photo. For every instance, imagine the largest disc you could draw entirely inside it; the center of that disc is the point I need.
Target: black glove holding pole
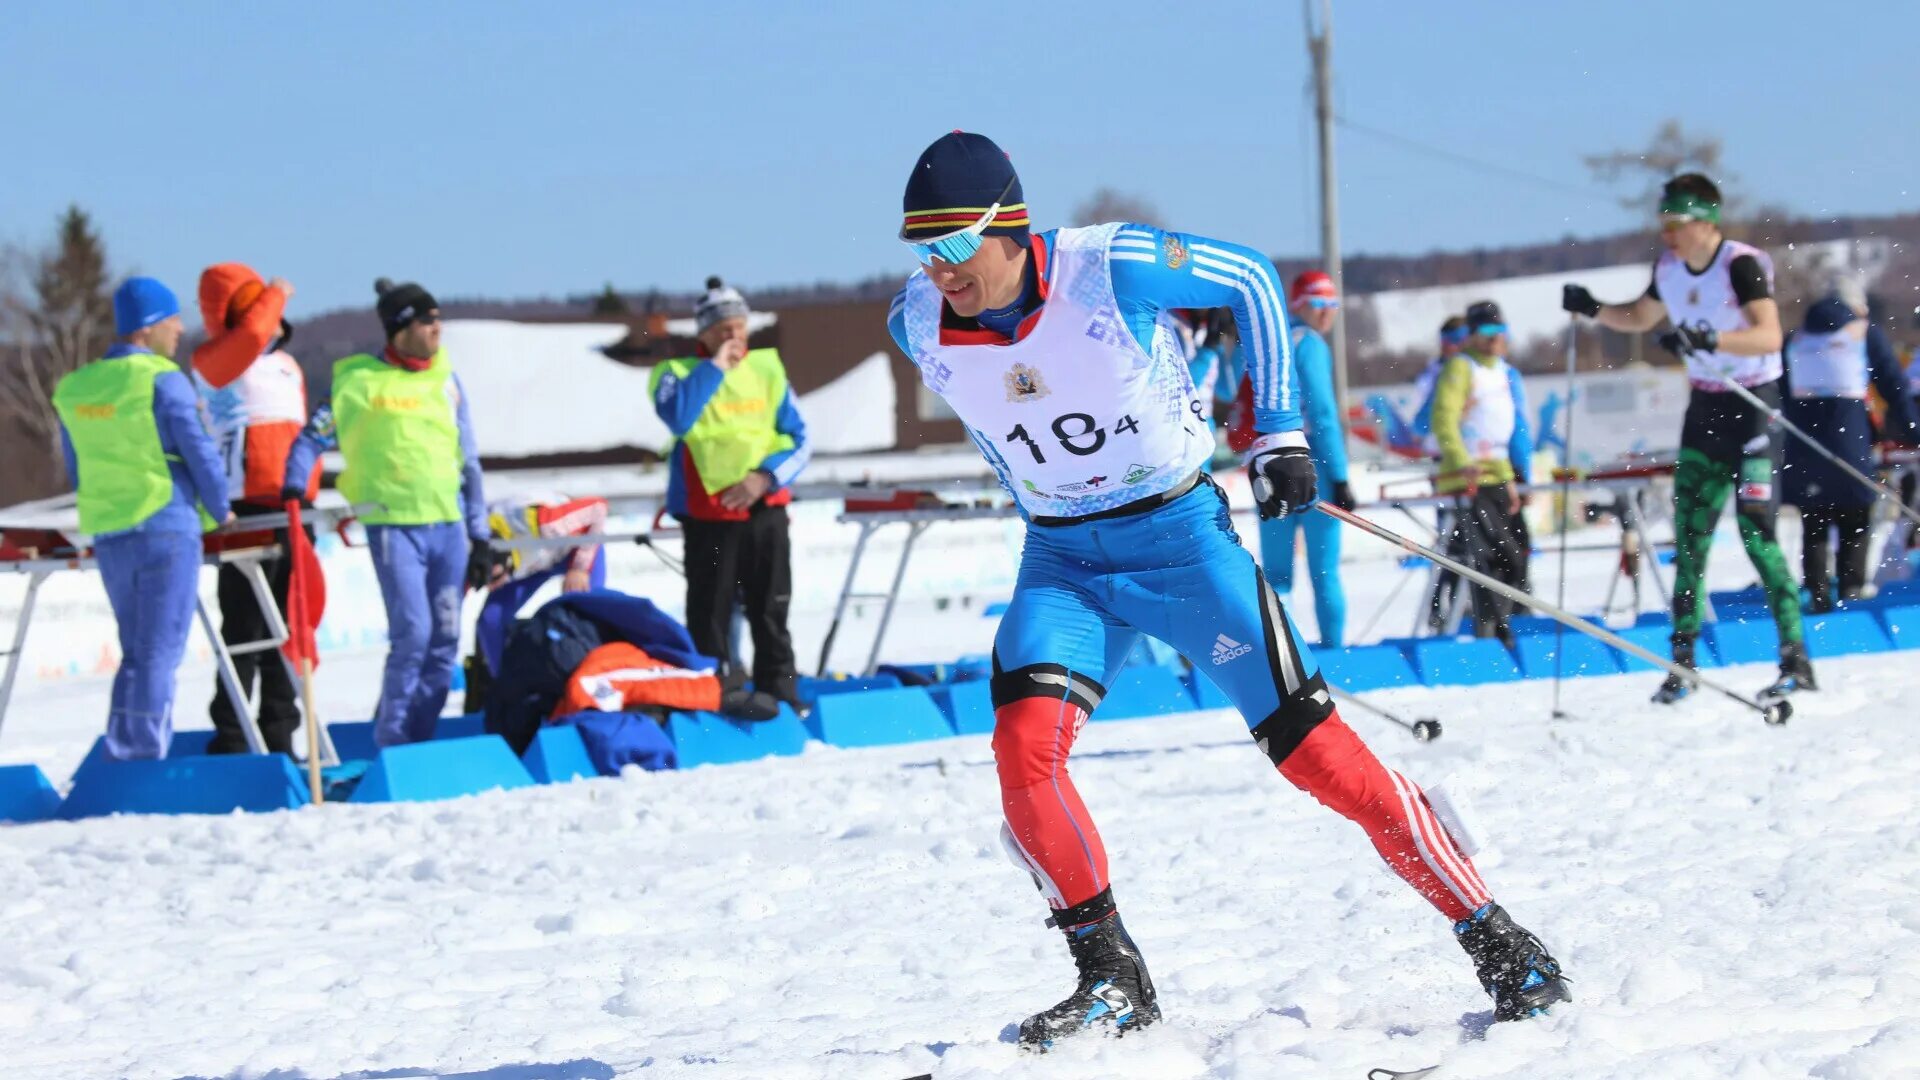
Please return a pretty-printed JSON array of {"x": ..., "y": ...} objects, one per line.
[{"x": 1282, "y": 474}]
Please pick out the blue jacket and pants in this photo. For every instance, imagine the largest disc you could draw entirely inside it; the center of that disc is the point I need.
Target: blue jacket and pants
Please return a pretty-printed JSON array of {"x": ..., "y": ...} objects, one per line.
[
  {"x": 152, "y": 571},
  {"x": 1313, "y": 361},
  {"x": 422, "y": 572}
]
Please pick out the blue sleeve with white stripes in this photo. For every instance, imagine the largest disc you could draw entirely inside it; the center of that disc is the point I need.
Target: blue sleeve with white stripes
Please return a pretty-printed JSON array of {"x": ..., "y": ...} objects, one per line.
[{"x": 1154, "y": 270}]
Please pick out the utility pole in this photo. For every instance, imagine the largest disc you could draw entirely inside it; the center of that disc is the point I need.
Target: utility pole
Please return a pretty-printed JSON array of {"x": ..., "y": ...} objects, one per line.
[{"x": 1320, "y": 48}]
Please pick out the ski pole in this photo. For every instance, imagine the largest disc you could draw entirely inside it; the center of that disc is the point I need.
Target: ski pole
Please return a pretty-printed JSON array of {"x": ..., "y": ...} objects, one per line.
[
  {"x": 1566, "y": 508},
  {"x": 1425, "y": 729},
  {"x": 1773, "y": 710},
  {"x": 1846, "y": 466}
]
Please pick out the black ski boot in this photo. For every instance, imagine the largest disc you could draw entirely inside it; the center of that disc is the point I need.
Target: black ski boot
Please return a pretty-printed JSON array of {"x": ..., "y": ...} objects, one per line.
[
  {"x": 1676, "y": 687},
  {"x": 1514, "y": 968},
  {"x": 1114, "y": 993},
  {"x": 1796, "y": 672}
]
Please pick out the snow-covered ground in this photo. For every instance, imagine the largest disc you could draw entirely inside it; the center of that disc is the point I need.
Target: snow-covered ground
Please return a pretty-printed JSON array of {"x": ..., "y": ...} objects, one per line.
[{"x": 1731, "y": 900}]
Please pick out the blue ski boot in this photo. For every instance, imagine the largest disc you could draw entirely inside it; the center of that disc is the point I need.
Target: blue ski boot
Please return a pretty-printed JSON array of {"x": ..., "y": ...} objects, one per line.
[
  {"x": 1514, "y": 968},
  {"x": 1114, "y": 995}
]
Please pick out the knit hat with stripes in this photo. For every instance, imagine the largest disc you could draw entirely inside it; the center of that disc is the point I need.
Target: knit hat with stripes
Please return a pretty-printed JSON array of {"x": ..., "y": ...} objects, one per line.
[{"x": 955, "y": 181}]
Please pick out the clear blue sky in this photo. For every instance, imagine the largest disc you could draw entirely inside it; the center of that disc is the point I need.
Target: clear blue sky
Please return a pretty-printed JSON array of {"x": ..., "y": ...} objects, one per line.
[{"x": 526, "y": 149}]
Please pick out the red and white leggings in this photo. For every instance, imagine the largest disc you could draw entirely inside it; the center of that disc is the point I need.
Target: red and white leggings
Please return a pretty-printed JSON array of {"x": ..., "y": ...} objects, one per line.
[{"x": 1051, "y": 833}]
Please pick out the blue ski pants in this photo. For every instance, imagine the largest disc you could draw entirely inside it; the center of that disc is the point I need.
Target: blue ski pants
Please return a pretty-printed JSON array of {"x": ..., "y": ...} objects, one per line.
[
  {"x": 1323, "y": 564},
  {"x": 152, "y": 580},
  {"x": 422, "y": 571}
]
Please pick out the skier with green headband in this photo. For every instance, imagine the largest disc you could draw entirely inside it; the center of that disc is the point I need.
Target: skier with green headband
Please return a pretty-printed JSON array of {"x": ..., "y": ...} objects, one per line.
[{"x": 1718, "y": 293}]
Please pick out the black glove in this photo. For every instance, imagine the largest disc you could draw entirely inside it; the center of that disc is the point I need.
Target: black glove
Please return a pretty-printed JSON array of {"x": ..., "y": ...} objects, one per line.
[
  {"x": 1343, "y": 496},
  {"x": 1683, "y": 340},
  {"x": 293, "y": 495},
  {"x": 483, "y": 562},
  {"x": 1576, "y": 299},
  {"x": 1282, "y": 476}
]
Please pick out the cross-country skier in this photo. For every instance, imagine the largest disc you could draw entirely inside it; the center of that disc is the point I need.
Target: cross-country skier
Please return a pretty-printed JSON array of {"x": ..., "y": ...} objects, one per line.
[
  {"x": 1719, "y": 295},
  {"x": 1048, "y": 347}
]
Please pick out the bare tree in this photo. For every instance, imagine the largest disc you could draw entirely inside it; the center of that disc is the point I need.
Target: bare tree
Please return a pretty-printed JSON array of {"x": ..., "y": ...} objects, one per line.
[
  {"x": 1672, "y": 151},
  {"x": 1107, "y": 205},
  {"x": 68, "y": 322}
]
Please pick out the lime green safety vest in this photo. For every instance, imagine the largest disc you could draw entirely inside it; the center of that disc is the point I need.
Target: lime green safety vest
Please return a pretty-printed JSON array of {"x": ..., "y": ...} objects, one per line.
[
  {"x": 398, "y": 432},
  {"x": 735, "y": 432},
  {"x": 107, "y": 407}
]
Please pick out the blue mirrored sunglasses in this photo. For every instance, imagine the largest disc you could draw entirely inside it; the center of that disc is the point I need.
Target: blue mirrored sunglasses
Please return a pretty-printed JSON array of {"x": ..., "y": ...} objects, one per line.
[
  {"x": 953, "y": 248},
  {"x": 1322, "y": 303},
  {"x": 1456, "y": 336},
  {"x": 1490, "y": 329}
]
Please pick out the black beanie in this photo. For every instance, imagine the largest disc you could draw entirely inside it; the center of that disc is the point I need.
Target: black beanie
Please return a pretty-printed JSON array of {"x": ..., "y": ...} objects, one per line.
[
  {"x": 955, "y": 181},
  {"x": 399, "y": 305}
]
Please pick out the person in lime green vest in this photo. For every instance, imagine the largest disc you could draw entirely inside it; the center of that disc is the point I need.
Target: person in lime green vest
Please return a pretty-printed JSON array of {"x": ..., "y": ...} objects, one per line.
[
  {"x": 739, "y": 444},
  {"x": 401, "y": 421},
  {"x": 139, "y": 455}
]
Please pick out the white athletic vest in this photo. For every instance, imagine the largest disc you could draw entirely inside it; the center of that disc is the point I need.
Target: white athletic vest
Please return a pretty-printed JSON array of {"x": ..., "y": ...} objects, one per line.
[
  {"x": 1486, "y": 424},
  {"x": 271, "y": 390},
  {"x": 1075, "y": 417},
  {"x": 1707, "y": 297},
  {"x": 1830, "y": 365}
]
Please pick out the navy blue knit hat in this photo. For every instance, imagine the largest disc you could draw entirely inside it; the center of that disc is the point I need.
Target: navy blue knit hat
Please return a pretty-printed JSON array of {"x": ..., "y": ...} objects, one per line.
[{"x": 955, "y": 181}]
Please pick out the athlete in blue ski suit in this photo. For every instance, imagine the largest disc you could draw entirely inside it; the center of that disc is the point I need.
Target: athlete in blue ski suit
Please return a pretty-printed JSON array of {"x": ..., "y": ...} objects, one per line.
[
  {"x": 1313, "y": 292},
  {"x": 1050, "y": 350}
]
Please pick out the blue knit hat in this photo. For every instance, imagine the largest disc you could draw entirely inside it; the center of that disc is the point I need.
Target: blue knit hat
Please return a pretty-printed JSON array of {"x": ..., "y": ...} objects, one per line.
[
  {"x": 955, "y": 181},
  {"x": 140, "y": 302}
]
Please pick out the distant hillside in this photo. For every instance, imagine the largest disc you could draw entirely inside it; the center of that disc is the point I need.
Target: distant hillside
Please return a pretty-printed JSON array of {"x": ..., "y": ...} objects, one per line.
[{"x": 350, "y": 330}]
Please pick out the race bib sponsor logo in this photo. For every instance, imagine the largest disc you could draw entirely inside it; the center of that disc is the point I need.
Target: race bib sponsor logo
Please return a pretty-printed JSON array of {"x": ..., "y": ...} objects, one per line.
[
  {"x": 1137, "y": 473},
  {"x": 1091, "y": 483}
]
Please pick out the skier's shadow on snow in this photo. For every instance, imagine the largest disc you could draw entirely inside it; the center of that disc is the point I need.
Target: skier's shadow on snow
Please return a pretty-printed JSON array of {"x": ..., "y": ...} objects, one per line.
[{"x": 577, "y": 1069}]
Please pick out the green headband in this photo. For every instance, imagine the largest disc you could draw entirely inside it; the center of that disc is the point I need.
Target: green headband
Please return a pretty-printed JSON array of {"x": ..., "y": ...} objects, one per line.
[{"x": 1687, "y": 204}]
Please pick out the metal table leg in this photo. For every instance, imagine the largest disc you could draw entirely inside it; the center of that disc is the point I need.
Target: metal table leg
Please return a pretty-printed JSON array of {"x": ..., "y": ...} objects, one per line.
[
  {"x": 230, "y": 678},
  {"x": 914, "y": 529},
  {"x": 846, "y": 594},
  {"x": 14, "y": 653},
  {"x": 279, "y": 635}
]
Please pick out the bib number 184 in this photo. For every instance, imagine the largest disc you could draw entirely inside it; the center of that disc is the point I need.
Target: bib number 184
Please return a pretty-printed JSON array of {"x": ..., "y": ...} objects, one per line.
[{"x": 1077, "y": 433}]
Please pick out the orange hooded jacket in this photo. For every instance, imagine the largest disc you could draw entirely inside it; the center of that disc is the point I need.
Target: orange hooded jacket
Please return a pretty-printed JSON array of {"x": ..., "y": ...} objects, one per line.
[{"x": 256, "y": 400}]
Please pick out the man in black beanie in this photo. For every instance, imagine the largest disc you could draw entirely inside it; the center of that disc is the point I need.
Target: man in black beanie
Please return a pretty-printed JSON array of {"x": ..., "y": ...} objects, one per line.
[
  {"x": 401, "y": 421},
  {"x": 1051, "y": 349}
]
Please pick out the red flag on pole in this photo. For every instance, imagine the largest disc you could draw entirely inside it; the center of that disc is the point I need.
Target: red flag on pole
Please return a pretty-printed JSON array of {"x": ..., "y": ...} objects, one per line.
[{"x": 306, "y": 593}]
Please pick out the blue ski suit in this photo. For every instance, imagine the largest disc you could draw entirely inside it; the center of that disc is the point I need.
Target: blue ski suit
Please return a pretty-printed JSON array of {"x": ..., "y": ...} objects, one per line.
[
  {"x": 1087, "y": 412},
  {"x": 1313, "y": 360},
  {"x": 152, "y": 571}
]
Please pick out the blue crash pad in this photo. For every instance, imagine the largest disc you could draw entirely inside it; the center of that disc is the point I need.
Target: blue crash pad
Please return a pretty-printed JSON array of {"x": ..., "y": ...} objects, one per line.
[
  {"x": 1840, "y": 633},
  {"x": 1360, "y": 668},
  {"x": 1745, "y": 641},
  {"x": 1145, "y": 690},
  {"x": 968, "y": 705},
  {"x": 704, "y": 738},
  {"x": 1903, "y": 625},
  {"x": 441, "y": 769},
  {"x": 1580, "y": 655},
  {"x": 190, "y": 784},
  {"x": 1463, "y": 661},
  {"x": 26, "y": 794},
  {"x": 879, "y": 717},
  {"x": 556, "y": 755}
]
